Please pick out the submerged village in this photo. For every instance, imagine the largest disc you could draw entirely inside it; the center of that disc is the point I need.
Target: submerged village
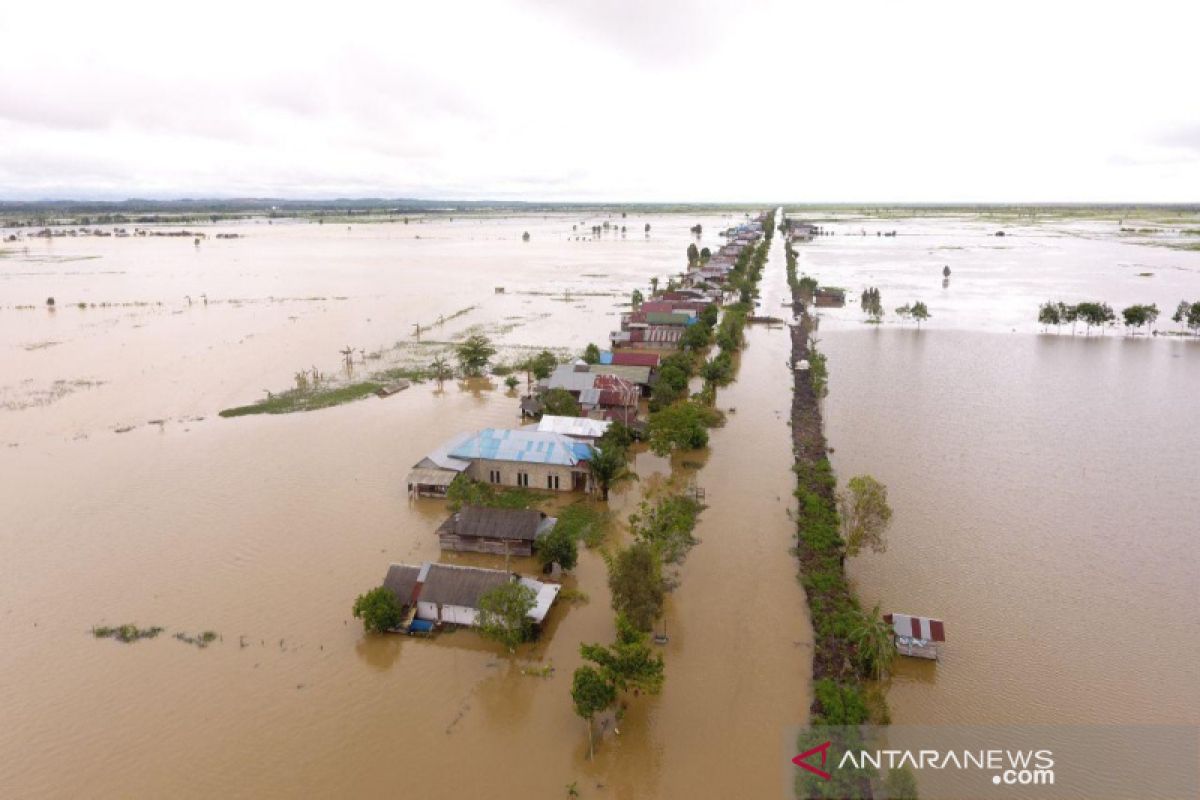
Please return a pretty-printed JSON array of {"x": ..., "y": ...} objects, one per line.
[
  {"x": 582, "y": 417},
  {"x": 653, "y": 384},
  {"x": 600, "y": 534}
]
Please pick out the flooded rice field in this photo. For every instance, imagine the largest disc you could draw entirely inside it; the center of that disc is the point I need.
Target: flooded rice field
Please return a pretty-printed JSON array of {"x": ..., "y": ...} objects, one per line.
[
  {"x": 128, "y": 500},
  {"x": 1044, "y": 486}
]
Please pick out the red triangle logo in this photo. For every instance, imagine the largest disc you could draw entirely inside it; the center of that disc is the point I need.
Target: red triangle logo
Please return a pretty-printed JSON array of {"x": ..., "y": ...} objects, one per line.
[{"x": 802, "y": 759}]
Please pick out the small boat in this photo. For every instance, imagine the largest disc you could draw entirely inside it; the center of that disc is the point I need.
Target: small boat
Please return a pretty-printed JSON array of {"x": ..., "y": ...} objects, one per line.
[{"x": 389, "y": 389}]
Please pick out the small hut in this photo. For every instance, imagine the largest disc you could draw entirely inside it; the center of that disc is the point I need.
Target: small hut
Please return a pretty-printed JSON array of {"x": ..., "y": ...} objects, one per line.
[{"x": 918, "y": 637}]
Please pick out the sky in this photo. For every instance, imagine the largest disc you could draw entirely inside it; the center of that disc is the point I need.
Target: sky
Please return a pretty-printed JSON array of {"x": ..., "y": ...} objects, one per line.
[{"x": 630, "y": 100}]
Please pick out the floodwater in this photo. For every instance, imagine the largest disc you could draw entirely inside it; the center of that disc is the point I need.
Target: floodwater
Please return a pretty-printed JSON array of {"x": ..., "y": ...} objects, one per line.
[
  {"x": 1044, "y": 486},
  {"x": 126, "y": 499}
]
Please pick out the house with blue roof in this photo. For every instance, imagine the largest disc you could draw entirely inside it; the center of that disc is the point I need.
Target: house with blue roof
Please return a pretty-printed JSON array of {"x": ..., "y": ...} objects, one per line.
[{"x": 526, "y": 458}]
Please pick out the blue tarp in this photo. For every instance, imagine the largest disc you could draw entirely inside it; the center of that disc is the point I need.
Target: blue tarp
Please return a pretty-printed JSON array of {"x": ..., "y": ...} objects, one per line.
[
  {"x": 420, "y": 626},
  {"x": 605, "y": 356}
]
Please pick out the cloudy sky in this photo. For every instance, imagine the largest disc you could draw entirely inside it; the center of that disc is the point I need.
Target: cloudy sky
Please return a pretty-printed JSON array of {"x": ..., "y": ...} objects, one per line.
[{"x": 652, "y": 100}]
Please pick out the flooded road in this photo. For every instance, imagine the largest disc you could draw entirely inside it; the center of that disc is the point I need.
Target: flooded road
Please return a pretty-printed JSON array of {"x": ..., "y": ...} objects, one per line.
[
  {"x": 264, "y": 529},
  {"x": 1043, "y": 485}
]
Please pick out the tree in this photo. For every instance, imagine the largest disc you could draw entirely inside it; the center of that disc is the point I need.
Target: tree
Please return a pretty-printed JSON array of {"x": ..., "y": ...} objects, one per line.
[
  {"x": 512, "y": 382},
  {"x": 525, "y": 236},
  {"x": 591, "y": 354},
  {"x": 946, "y": 271},
  {"x": 1050, "y": 314},
  {"x": 920, "y": 312},
  {"x": 705, "y": 254},
  {"x": 693, "y": 254},
  {"x": 900, "y": 784},
  {"x": 647, "y": 227},
  {"x": 379, "y": 609},
  {"x": 635, "y": 299},
  {"x": 667, "y": 525},
  {"x": 680, "y": 426},
  {"x": 695, "y": 337},
  {"x": 609, "y": 467},
  {"x": 591, "y": 694},
  {"x": 618, "y": 436},
  {"x": 874, "y": 644},
  {"x": 872, "y": 304},
  {"x": 504, "y": 613},
  {"x": 1136, "y": 316},
  {"x": 474, "y": 353},
  {"x": 636, "y": 581},
  {"x": 558, "y": 546},
  {"x": 865, "y": 515},
  {"x": 1193, "y": 317},
  {"x": 560, "y": 403},
  {"x": 1181, "y": 313},
  {"x": 628, "y": 664},
  {"x": 654, "y": 286},
  {"x": 1095, "y": 314}
]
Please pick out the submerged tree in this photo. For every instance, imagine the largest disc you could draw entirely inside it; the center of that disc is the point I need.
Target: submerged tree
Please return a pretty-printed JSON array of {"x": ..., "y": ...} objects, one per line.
[
  {"x": 628, "y": 664},
  {"x": 559, "y": 546},
  {"x": 920, "y": 312},
  {"x": 636, "y": 581},
  {"x": 872, "y": 303},
  {"x": 1136, "y": 316},
  {"x": 504, "y": 613},
  {"x": 1095, "y": 315},
  {"x": 1050, "y": 314},
  {"x": 379, "y": 609},
  {"x": 693, "y": 254},
  {"x": 874, "y": 644},
  {"x": 440, "y": 369},
  {"x": 560, "y": 403},
  {"x": 865, "y": 515},
  {"x": 609, "y": 467},
  {"x": 591, "y": 354},
  {"x": 591, "y": 694},
  {"x": 474, "y": 353}
]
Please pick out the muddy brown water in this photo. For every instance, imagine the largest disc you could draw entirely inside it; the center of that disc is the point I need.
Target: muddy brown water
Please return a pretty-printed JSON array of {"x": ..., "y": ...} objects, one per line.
[
  {"x": 1043, "y": 485},
  {"x": 265, "y": 528}
]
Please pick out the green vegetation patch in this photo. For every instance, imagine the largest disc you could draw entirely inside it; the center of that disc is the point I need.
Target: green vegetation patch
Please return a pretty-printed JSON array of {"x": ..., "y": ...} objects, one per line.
[
  {"x": 126, "y": 633},
  {"x": 296, "y": 400}
]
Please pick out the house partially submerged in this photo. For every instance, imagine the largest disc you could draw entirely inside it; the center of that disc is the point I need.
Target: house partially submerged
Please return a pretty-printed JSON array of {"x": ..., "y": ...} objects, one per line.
[
  {"x": 432, "y": 475},
  {"x": 526, "y": 458},
  {"x": 648, "y": 337},
  {"x": 501, "y": 531},
  {"x": 449, "y": 594}
]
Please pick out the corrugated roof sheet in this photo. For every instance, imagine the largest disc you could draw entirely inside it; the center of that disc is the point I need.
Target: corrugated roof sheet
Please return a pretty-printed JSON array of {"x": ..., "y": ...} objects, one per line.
[
  {"x": 450, "y": 584},
  {"x": 626, "y": 359},
  {"x": 497, "y": 523},
  {"x": 573, "y": 426},
  {"x": 441, "y": 458},
  {"x": 498, "y": 444}
]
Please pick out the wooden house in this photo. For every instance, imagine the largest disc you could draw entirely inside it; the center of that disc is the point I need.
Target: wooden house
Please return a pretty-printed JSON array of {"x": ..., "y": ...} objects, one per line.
[{"x": 501, "y": 531}]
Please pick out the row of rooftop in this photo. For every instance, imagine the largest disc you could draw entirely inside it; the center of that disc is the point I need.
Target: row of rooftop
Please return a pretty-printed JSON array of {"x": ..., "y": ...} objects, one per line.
[{"x": 551, "y": 454}]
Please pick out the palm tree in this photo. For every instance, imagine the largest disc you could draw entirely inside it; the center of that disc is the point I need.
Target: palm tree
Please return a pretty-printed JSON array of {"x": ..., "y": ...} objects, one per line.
[
  {"x": 441, "y": 370},
  {"x": 875, "y": 643},
  {"x": 609, "y": 468}
]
